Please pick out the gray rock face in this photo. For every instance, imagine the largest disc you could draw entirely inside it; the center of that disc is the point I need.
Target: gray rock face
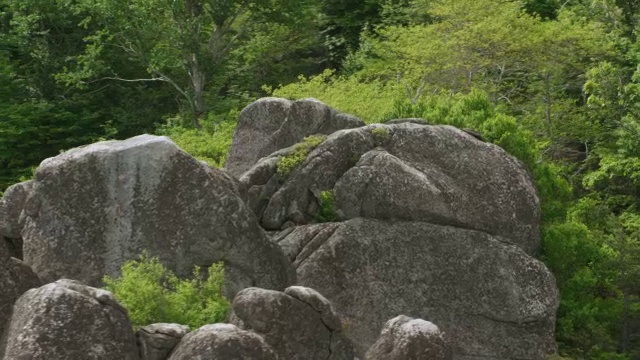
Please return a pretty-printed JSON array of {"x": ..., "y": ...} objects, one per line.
[
  {"x": 12, "y": 217},
  {"x": 4, "y": 250},
  {"x": 270, "y": 124},
  {"x": 404, "y": 171},
  {"x": 297, "y": 324},
  {"x": 156, "y": 341},
  {"x": 15, "y": 279},
  {"x": 491, "y": 297},
  {"x": 404, "y": 338},
  {"x": 11, "y": 206},
  {"x": 97, "y": 206},
  {"x": 222, "y": 342},
  {"x": 67, "y": 320}
]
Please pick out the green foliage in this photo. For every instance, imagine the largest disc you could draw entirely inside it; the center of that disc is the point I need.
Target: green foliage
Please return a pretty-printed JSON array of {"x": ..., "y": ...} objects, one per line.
[
  {"x": 297, "y": 155},
  {"x": 555, "y": 83},
  {"x": 152, "y": 294},
  {"x": 40, "y": 114},
  {"x": 327, "y": 211},
  {"x": 344, "y": 21},
  {"x": 370, "y": 101},
  {"x": 195, "y": 48},
  {"x": 554, "y": 190},
  {"x": 211, "y": 144},
  {"x": 575, "y": 255},
  {"x": 474, "y": 111}
]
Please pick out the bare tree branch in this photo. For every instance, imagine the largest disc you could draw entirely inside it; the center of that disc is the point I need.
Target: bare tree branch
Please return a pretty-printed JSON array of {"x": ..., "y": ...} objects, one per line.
[
  {"x": 420, "y": 88},
  {"x": 125, "y": 80},
  {"x": 413, "y": 97}
]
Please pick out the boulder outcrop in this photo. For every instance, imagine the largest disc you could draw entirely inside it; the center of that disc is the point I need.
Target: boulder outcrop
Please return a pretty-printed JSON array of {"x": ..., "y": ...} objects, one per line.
[
  {"x": 493, "y": 299},
  {"x": 433, "y": 222},
  {"x": 12, "y": 216},
  {"x": 92, "y": 208},
  {"x": 16, "y": 278},
  {"x": 156, "y": 341},
  {"x": 404, "y": 338},
  {"x": 11, "y": 206},
  {"x": 297, "y": 324},
  {"x": 4, "y": 250},
  {"x": 382, "y": 220},
  {"x": 270, "y": 124},
  {"x": 222, "y": 342},
  {"x": 404, "y": 171},
  {"x": 67, "y": 320}
]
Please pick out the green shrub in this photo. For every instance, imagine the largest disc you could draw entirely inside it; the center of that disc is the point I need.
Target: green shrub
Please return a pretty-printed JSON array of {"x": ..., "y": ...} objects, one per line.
[
  {"x": 287, "y": 163},
  {"x": 152, "y": 294},
  {"x": 370, "y": 101},
  {"x": 211, "y": 144},
  {"x": 327, "y": 211}
]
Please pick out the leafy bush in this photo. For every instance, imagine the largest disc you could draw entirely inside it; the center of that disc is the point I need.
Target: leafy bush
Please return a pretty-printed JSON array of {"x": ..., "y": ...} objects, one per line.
[
  {"x": 151, "y": 293},
  {"x": 327, "y": 211},
  {"x": 211, "y": 144},
  {"x": 370, "y": 101},
  {"x": 287, "y": 163}
]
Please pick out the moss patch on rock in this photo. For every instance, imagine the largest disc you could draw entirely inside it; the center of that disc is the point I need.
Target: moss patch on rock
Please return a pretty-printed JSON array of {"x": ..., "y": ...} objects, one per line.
[
  {"x": 380, "y": 135},
  {"x": 287, "y": 163}
]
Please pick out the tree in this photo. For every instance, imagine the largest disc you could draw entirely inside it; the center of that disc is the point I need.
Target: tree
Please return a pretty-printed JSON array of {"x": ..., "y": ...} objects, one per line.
[
  {"x": 40, "y": 114},
  {"x": 186, "y": 44}
]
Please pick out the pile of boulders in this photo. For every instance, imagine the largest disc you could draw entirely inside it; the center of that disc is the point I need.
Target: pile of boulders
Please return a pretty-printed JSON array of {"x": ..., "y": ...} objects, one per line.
[{"x": 426, "y": 221}]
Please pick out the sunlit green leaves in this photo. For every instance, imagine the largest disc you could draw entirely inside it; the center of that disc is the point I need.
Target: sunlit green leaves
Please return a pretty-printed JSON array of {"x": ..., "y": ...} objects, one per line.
[{"x": 153, "y": 294}]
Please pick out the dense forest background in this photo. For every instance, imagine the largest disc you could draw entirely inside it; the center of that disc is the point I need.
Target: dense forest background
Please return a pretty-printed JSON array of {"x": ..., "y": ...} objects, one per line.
[{"x": 555, "y": 82}]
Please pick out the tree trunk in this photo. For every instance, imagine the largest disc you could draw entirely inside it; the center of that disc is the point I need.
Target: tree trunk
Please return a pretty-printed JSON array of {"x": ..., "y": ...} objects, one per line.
[
  {"x": 197, "y": 86},
  {"x": 548, "y": 102},
  {"x": 625, "y": 322}
]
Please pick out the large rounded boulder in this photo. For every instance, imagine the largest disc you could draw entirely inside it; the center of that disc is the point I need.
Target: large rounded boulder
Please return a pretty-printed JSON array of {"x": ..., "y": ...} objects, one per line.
[
  {"x": 12, "y": 215},
  {"x": 403, "y": 171},
  {"x": 11, "y": 206},
  {"x": 270, "y": 124},
  {"x": 16, "y": 278},
  {"x": 67, "y": 320},
  {"x": 95, "y": 207},
  {"x": 298, "y": 324},
  {"x": 222, "y": 342},
  {"x": 428, "y": 221},
  {"x": 490, "y": 297},
  {"x": 404, "y": 338}
]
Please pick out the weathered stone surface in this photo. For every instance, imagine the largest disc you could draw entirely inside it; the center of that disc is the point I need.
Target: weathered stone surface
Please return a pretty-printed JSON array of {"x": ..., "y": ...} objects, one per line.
[
  {"x": 15, "y": 279},
  {"x": 296, "y": 199},
  {"x": 304, "y": 329},
  {"x": 11, "y": 206},
  {"x": 156, "y": 341},
  {"x": 13, "y": 247},
  {"x": 318, "y": 303},
  {"x": 418, "y": 121},
  {"x": 270, "y": 124},
  {"x": 492, "y": 298},
  {"x": 12, "y": 217},
  {"x": 67, "y": 320},
  {"x": 404, "y": 338},
  {"x": 97, "y": 206},
  {"x": 4, "y": 250},
  {"x": 404, "y": 171},
  {"x": 302, "y": 241},
  {"x": 222, "y": 342}
]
